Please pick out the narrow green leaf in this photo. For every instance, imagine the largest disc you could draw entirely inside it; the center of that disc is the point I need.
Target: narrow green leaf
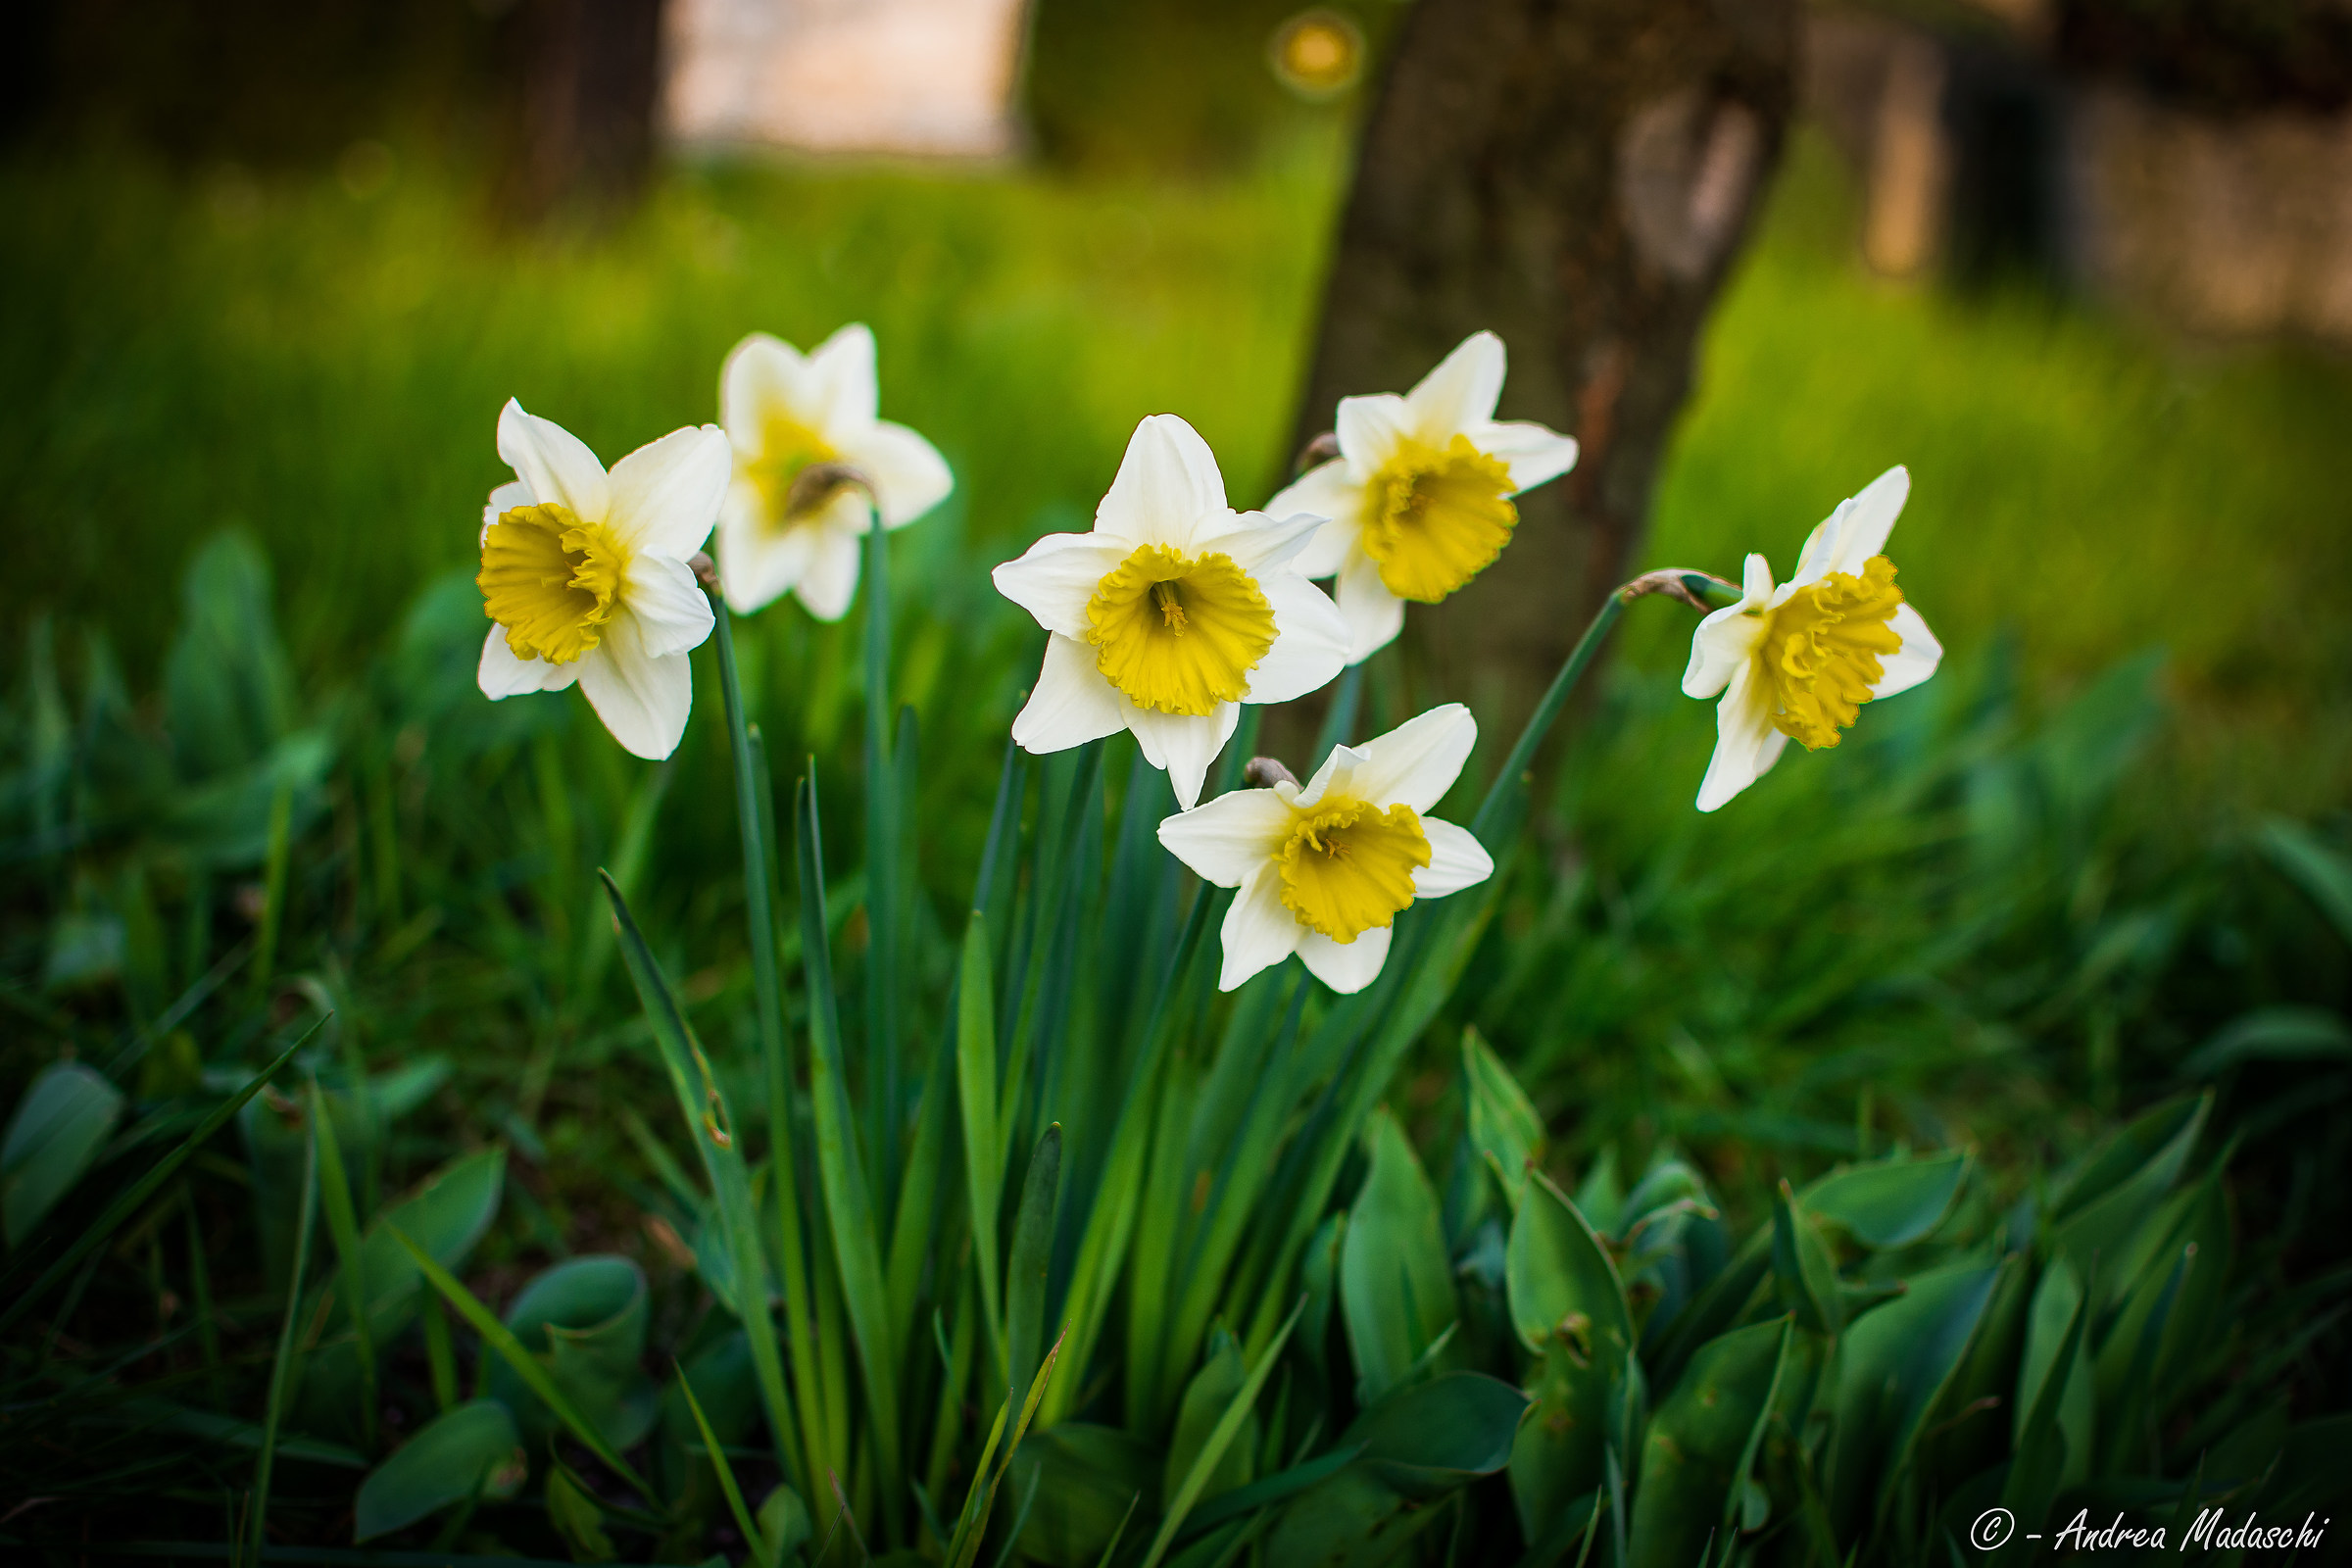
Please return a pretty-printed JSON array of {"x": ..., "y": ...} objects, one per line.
[
  {"x": 1503, "y": 1125},
  {"x": 982, "y": 1153},
  {"x": 726, "y": 1472},
  {"x": 841, "y": 1175},
  {"x": 499, "y": 1338},
  {"x": 1032, "y": 1256},
  {"x": 122, "y": 1207},
  {"x": 344, "y": 1226},
  {"x": 469, "y": 1451},
  {"x": 281, "y": 1367}
]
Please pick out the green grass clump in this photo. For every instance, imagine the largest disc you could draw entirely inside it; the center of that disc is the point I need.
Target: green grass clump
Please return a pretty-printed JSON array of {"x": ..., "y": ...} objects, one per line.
[{"x": 995, "y": 1228}]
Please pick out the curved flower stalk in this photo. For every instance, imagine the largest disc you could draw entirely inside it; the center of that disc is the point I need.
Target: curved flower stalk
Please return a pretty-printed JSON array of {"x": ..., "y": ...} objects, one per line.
[
  {"x": 812, "y": 464},
  {"x": 1797, "y": 660},
  {"x": 585, "y": 573},
  {"x": 1171, "y": 613},
  {"x": 1420, "y": 496},
  {"x": 1325, "y": 871}
]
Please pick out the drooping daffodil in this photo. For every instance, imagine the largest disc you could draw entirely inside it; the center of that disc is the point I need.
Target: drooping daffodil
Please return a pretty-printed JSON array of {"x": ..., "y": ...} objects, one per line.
[
  {"x": 1420, "y": 496},
  {"x": 1325, "y": 870},
  {"x": 786, "y": 414},
  {"x": 585, "y": 573},
  {"x": 1170, "y": 613},
  {"x": 1796, "y": 661}
]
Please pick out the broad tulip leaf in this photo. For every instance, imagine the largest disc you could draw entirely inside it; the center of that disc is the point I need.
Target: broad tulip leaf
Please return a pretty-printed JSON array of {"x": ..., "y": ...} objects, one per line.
[
  {"x": 1567, "y": 1304},
  {"x": 1891, "y": 1366},
  {"x": 1206, "y": 1399},
  {"x": 2055, "y": 1388},
  {"x": 2120, "y": 1185},
  {"x": 472, "y": 1450},
  {"x": 1084, "y": 1478},
  {"x": 55, "y": 1135},
  {"x": 1889, "y": 1203},
  {"x": 585, "y": 1320},
  {"x": 1505, "y": 1129},
  {"x": 2272, "y": 1034},
  {"x": 1701, "y": 1444},
  {"x": 1397, "y": 1291},
  {"x": 725, "y": 1383},
  {"x": 1807, "y": 1273}
]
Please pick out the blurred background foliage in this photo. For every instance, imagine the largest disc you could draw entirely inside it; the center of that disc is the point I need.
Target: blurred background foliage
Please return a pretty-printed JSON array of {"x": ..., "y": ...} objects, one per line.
[{"x": 256, "y": 344}]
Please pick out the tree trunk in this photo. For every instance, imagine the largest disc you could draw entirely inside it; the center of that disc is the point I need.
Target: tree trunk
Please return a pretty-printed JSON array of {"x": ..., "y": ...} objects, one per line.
[
  {"x": 591, "y": 75},
  {"x": 1576, "y": 174}
]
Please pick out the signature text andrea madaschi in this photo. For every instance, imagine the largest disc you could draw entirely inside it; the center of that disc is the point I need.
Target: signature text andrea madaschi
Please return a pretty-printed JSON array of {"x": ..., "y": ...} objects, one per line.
[{"x": 2212, "y": 1531}]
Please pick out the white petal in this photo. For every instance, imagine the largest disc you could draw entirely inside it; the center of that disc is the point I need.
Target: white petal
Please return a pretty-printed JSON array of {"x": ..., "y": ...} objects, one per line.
[
  {"x": 755, "y": 562},
  {"x": 1258, "y": 542},
  {"x": 1461, "y": 392},
  {"x": 1755, "y": 581},
  {"x": 1226, "y": 839},
  {"x": 1310, "y": 641},
  {"x": 642, "y": 701},
  {"x": 1534, "y": 453},
  {"x": 1337, "y": 771},
  {"x": 1415, "y": 763},
  {"x": 1072, "y": 702},
  {"x": 1260, "y": 930},
  {"x": 503, "y": 500},
  {"x": 1374, "y": 615},
  {"x": 1456, "y": 860},
  {"x": 670, "y": 612},
  {"x": 908, "y": 475},
  {"x": 501, "y": 674},
  {"x": 1370, "y": 429},
  {"x": 555, "y": 464},
  {"x": 1915, "y": 660},
  {"x": 1870, "y": 520},
  {"x": 1720, "y": 647},
  {"x": 1326, "y": 492},
  {"x": 664, "y": 496},
  {"x": 1055, "y": 577},
  {"x": 1181, "y": 743},
  {"x": 835, "y": 552},
  {"x": 1346, "y": 967},
  {"x": 1747, "y": 744},
  {"x": 1167, "y": 483},
  {"x": 762, "y": 375},
  {"x": 841, "y": 384}
]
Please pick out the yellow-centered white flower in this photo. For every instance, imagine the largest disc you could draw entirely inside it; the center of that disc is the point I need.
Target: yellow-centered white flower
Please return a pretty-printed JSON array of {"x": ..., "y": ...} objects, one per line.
[
  {"x": 585, "y": 573},
  {"x": 1325, "y": 870},
  {"x": 1797, "y": 660},
  {"x": 786, "y": 413},
  {"x": 1420, "y": 495},
  {"x": 1173, "y": 612}
]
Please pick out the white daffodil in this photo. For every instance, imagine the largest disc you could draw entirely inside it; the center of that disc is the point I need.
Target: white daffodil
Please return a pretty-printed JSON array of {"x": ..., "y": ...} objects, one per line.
[
  {"x": 1171, "y": 612},
  {"x": 787, "y": 412},
  {"x": 1324, "y": 870},
  {"x": 585, "y": 573},
  {"x": 1797, "y": 662},
  {"x": 1420, "y": 495}
]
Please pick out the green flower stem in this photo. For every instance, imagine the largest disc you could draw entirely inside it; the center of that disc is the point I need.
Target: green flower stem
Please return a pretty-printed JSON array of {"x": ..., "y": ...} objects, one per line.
[{"x": 882, "y": 880}]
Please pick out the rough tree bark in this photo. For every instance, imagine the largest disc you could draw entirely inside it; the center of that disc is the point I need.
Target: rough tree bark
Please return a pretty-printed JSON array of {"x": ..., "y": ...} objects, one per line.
[{"x": 1576, "y": 174}]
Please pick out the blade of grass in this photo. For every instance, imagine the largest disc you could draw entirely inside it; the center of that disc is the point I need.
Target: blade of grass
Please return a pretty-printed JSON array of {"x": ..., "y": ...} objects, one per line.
[
  {"x": 281, "y": 1368},
  {"x": 344, "y": 1226},
  {"x": 918, "y": 1207},
  {"x": 881, "y": 880},
  {"x": 496, "y": 1336},
  {"x": 273, "y": 883},
  {"x": 122, "y": 1207},
  {"x": 1220, "y": 1438},
  {"x": 982, "y": 1153},
  {"x": 628, "y": 872},
  {"x": 704, "y": 1111},
  {"x": 1032, "y": 1256},
  {"x": 848, "y": 1205},
  {"x": 971, "y": 1527},
  {"x": 757, "y": 1543}
]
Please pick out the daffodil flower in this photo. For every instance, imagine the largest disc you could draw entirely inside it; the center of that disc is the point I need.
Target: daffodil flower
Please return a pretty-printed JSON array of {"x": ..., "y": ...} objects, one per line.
[
  {"x": 1324, "y": 870},
  {"x": 1173, "y": 612},
  {"x": 786, "y": 413},
  {"x": 585, "y": 573},
  {"x": 1420, "y": 495},
  {"x": 1796, "y": 661}
]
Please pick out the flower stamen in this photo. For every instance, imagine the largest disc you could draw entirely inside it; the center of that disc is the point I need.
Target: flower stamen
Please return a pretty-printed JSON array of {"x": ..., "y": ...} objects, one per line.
[
  {"x": 1820, "y": 653},
  {"x": 1179, "y": 633},
  {"x": 1349, "y": 867},
  {"x": 551, "y": 580},
  {"x": 1438, "y": 518}
]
